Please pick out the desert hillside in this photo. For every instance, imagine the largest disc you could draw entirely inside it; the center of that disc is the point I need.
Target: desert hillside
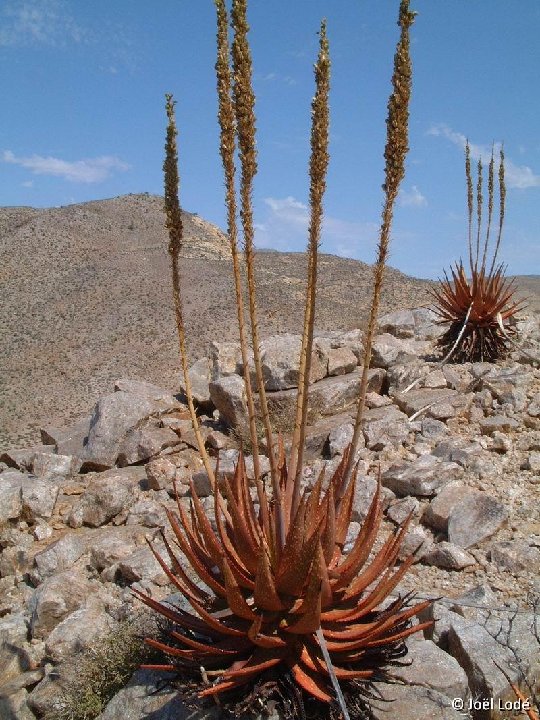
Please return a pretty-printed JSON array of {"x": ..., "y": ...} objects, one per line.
[{"x": 86, "y": 299}]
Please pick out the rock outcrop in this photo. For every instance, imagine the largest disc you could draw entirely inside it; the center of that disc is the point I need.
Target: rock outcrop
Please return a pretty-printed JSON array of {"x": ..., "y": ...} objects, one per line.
[{"x": 458, "y": 450}]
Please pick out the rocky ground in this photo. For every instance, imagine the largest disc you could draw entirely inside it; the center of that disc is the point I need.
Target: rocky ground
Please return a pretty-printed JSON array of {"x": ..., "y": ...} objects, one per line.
[
  {"x": 87, "y": 299},
  {"x": 459, "y": 446}
]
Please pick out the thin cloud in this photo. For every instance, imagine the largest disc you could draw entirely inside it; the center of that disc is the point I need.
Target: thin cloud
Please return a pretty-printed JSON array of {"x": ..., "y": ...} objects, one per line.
[
  {"x": 412, "y": 198},
  {"x": 286, "y": 224},
  {"x": 517, "y": 176},
  {"x": 38, "y": 22},
  {"x": 90, "y": 170}
]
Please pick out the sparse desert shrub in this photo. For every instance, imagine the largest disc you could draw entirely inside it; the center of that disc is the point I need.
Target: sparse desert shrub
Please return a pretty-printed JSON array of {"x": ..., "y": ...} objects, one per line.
[
  {"x": 285, "y": 613},
  {"x": 478, "y": 308}
]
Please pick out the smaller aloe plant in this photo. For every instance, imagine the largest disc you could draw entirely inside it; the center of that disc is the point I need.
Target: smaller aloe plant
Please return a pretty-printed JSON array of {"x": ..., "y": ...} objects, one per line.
[{"x": 478, "y": 308}]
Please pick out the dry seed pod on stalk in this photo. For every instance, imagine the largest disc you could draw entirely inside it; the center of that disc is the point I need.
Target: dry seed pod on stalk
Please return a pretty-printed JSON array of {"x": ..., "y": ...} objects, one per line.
[{"x": 278, "y": 608}]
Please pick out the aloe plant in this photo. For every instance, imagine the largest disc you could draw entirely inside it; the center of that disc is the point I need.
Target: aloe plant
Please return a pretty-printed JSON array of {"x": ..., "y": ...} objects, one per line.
[
  {"x": 284, "y": 606},
  {"x": 477, "y": 308}
]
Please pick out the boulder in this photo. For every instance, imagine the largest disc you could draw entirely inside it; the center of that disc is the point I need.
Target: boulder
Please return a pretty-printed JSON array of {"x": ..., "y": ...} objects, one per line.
[
  {"x": 60, "y": 555},
  {"x": 341, "y": 361},
  {"x": 400, "y": 323},
  {"x": 449, "y": 557},
  {"x": 422, "y": 477},
  {"x": 114, "y": 416},
  {"x": 229, "y": 397},
  {"x": 280, "y": 356},
  {"x": 225, "y": 359},
  {"x": 38, "y": 499},
  {"x": 475, "y": 518},
  {"x": 388, "y": 350},
  {"x": 48, "y": 465},
  {"x": 160, "y": 473},
  {"x": 164, "y": 398},
  {"x": 426, "y": 399},
  {"x": 11, "y": 483},
  {"x": 76, "y": 633},
  {"x": 199, "y": 377},
  {"x": 439, "y": 509},
  {"x": 145, "y": 442},
  {"x": 108, "y": 494},
  {"x": 433, "y": 668},
  {"x": 516, "y": 556},
  {"x": 69, "y": 440},
  {"x": 500, "y": 423},
  {"x": 476, "y": 650},
  {"x": 13, "y": 636},
  {"x": 385, "y": 426},
  {"x": 415, "y": 703},
  {"x": 57, "y": 597}
]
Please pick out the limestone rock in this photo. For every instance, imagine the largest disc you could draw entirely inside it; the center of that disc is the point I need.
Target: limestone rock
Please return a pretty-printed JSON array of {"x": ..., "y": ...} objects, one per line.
[
  {"x": 385, "y": 426},
  {"x": 516, "y": 556},
  {"x": 475, "y": 518},
  {"x": 108, "y": 494},
  {"x": 199, "y": 376},
  {"x": 113, "y": 417},
  {"x": 439, "y": 509},
  {"x": 422, "y": 477},
  {"x": 11, "y": 482},
  {"x": 60, "y": 555},
  {"x": 77, "y": 632},
  {"x": 145, "y": 442},
  {"x": 389, "y": 350},
  {"x": 57, "y": 597},
  {"x": 434, "y": 668},
  {"x": 280, "y": 355},
  {"x": 448, "y": 556}
]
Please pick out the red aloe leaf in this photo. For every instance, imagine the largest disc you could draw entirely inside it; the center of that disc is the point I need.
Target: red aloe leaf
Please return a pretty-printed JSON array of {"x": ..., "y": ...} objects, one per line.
[
  {"x": 235, "y": 599},
  {"x": 246, "y": 545},
  {"x": 363, "y": 544},
  {"x": 311, "y": 604},
  {"x": 202, "y": 571},
  {"x": 311, "y": 683},
  {"x": 261, "y": 639},
  {"x": 265, "y": 594},
  {"x": 314, "y": 662},
  {"x": 291, "y": 578}
]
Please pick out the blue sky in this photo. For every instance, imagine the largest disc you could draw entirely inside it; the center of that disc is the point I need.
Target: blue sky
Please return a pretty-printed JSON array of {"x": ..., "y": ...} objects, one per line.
[{"x": 83, "y": 86}]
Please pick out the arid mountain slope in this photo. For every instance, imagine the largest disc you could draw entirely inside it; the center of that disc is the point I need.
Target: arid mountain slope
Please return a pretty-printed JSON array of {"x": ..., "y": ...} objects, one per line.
[{"x": 86, "y": 299}]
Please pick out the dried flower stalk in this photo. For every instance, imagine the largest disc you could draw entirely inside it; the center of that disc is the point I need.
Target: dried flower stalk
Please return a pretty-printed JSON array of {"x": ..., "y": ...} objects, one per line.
[
  {"x": 318, "y": 168},
  {"x": 174, "y": 227},
  {"x": 395, "y": 152}
]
